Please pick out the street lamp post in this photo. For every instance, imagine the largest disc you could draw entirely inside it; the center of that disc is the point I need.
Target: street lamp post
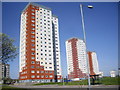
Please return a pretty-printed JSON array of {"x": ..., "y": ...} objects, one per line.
[{"x": 84, "y": 33}]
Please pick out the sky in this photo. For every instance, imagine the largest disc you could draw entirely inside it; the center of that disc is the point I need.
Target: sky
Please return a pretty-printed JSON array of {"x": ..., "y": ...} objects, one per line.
[
  {"x": 61, "y": 0},
  {"x": 101, "y": 24}
]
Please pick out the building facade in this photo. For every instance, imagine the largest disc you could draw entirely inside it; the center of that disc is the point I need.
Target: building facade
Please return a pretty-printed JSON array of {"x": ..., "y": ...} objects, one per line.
[
  {"x": 76, "y": 58},
  {"x": 39, "y": 45},
  {"x": 113, "y": 73},
  {"x": 4, "y": 71},
  {"x": 93, "y": 63}
]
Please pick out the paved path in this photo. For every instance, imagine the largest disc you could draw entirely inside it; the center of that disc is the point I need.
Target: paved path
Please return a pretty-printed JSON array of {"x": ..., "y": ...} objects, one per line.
[{"x": 65, "y": 86}]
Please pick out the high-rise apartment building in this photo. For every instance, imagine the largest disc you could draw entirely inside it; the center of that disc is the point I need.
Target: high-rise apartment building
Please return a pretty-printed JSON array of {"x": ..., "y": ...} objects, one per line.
[
  {"x": 39, "y": 45},
  {"x": 76, "y": 58},
  {"x": 4, "y": 70},
  {"x": 93, "y": 63}
]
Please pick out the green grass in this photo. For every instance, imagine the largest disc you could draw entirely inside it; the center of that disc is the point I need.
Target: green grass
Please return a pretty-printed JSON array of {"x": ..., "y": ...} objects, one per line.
[
  {"x": 103, "y": 81},
  {"x": 83, "y": 82},
  {"x": 110, "y": 80},
  {"x": 6, "y": 87}
]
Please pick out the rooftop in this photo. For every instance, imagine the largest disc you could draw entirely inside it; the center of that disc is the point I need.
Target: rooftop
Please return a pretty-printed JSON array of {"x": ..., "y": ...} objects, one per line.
[{"x": 35, "y": 4}]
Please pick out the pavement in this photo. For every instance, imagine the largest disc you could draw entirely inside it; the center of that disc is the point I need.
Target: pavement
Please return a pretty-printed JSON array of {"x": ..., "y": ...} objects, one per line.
[{"x": 69, "y": 87}]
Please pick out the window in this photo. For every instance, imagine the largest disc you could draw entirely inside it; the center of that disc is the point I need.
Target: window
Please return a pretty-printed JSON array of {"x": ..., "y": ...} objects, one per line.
[
  {"x": 37, "y": 8},
  {"x": 33, "y": 6},
  {"x": 38, "y": 76},
  {"x": 33, "y": 49},
  {"x": 41, "y": 62},
  {"x": 33, "y": 24},
  {"x": 37, "y": 62},
  {"x": 50, "y": 67},
  {"x": 33, "y": 13},
  {"x": 32, "y": 44},
  {"x": 37, "y": 71},
  {"x": 32, "y": 40},
  {"x": 32, "y": 67},
  {"x": 32, "y": 62},
  {"x": 50, "y": 76},
  {"x": 32, "y": 10},
  {"x": 32, "y": 57},
  {"x": 33, "y": 17},
  {"x": 32, "y": 71},
  {"x": 37, "y": 67},
  {"x": 42, "y": 76},
  {"x": 50, "y": 71},
  {"x": 32, "y": 76},
  {"x": 42, "y": 71},
  {"x": 33, "y": 53},
  {"x": 33, "y": 28},
  {"x": 32, "y": 20},
  {"x": 32, "y": 36},
  {"x": 33, "y": 32},
  {"x": 46, "y": 76}
]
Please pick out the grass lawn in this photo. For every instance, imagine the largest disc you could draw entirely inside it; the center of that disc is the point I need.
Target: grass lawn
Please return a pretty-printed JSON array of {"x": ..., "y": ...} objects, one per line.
[
  {"x": 103, "y": 81},
  {"x": 6, "y": 87},
  {"x": 82, "y": 82},
  {"x": 110, "y": 80}
]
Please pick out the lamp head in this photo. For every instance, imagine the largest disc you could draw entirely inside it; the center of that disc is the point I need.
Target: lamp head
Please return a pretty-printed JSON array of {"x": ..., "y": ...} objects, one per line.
[{"x": 90, "y": 6}]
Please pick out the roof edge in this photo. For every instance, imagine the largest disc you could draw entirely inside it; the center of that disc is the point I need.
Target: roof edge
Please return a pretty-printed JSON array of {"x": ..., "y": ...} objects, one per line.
[{"x": 35, "y": 4}]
